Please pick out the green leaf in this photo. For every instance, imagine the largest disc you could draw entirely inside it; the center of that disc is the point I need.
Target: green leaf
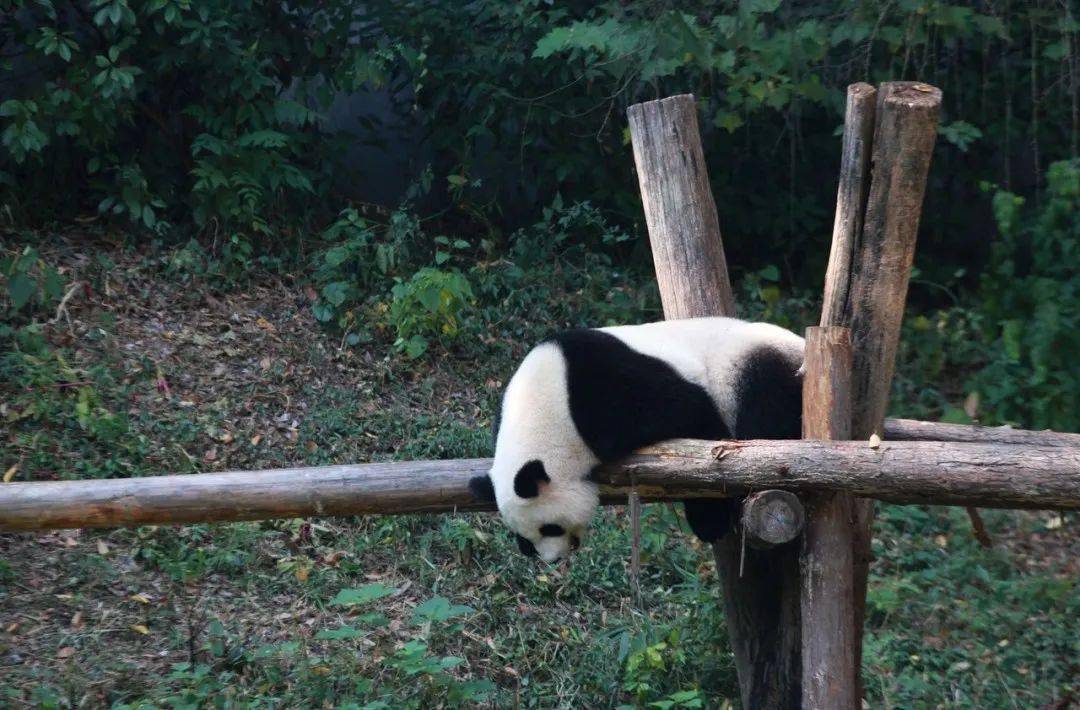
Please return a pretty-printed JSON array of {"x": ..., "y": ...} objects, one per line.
[
  {"x": 439, "y": 609},
  {"x": 362, "y": 595},
  {"x": 20, "y": 290},
  {"x": 345, "y": 632}
]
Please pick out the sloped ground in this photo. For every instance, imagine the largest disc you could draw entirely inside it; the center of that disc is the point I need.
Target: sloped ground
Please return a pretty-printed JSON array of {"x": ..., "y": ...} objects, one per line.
[{"x": 156, "y": 374}]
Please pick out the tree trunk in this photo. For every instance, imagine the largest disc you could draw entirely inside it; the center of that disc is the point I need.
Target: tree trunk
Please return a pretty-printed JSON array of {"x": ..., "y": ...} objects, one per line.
[
  {"x": 866, "y": 285},
  {"x": 760, "y": 586},
  {"x": 827, "y": 613}
]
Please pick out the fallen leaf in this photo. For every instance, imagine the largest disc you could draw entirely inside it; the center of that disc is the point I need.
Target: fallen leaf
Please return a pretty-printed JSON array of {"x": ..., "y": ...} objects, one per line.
[
  {"x": 141, "y": 598},
  {"x": 210, "y": 455},
  {"x": 226, "y": 438},
  {"x": 265, "y": 363},
  {"x": 76, "y": 621},
  {"x": 941, "y": 541},
  {"x": 875, "y": 441},
  {"x": 1054, "y": 523},
  {"x": 10, "y": 473},
  {"x": 311, "y": 446},
  {"x": 12, "y": 628},
  {"x": 301, "y": 573},
  {"x": 140, "y": 629},
  {"x": 102, "y": 548},
  {"x": 66, "y": 652},
  {"x": 256, "y": 439},
  {"x": 265, "y": 324}
]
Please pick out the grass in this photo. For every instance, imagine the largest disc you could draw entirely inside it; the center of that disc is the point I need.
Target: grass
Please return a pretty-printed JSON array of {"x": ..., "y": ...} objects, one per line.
[{"x": 154, "y": 376}]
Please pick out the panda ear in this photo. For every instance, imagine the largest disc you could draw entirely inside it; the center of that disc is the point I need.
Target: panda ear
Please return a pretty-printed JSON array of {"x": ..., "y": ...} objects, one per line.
[
  {"x": 482, "y": 488},
  {"x": 528, "y": 479}
]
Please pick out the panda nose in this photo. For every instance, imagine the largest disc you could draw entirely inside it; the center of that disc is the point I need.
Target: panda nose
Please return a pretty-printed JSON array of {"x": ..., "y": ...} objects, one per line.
[{"x": 575, "y": 542}]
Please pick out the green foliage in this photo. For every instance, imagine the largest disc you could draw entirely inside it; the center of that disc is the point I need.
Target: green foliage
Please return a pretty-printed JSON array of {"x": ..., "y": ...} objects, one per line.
[
  {"x": 30, "y": 286},
  {"x": 1031, "y": 308},
  {"x": 199, "y": 109},
  {"x": 428, "y": 305}
]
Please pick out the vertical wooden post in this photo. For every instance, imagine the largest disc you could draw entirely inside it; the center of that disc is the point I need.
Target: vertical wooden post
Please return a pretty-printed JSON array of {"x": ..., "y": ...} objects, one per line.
[
  {"x": 828, "y": 616},
  {"x": 867, "y": 281},
  {"x": 761, "y": 587},
  {"x": 680, "y": 212}
]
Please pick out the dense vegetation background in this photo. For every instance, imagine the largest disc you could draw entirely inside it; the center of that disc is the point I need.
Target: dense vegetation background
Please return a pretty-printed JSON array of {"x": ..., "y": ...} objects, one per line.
[{"x": 239, "y": 234}]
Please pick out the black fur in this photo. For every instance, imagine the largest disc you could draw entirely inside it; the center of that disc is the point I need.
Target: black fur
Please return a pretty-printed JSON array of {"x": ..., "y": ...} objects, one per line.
[
  {"x": 769, "y": 406},
  {"x": 621, "y": 400},
  {"x": 769, "y": 397},
  {"x": 482, "y": 488},
  {"x": 528, "y": 479},
  {"x": 526, "y": 546},
  {"x": 552, "y": 530}
]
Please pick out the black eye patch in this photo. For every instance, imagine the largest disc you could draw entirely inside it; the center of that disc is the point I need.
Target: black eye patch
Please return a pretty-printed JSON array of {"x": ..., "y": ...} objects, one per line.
[
  {"x": 552, "y": 530},
  {"x": 528, "y": 479},
  {"x": 526, "y": 547}
]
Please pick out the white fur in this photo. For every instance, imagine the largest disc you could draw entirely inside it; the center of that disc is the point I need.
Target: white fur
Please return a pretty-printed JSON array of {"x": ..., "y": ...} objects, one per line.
[{"x": 536, "y": 423}]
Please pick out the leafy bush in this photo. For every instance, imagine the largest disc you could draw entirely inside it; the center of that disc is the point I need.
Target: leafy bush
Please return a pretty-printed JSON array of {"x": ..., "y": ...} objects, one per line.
[
  {"x": 1031, "y": 308},
  {"x": 199, "y": 109},
  {"x": 428, "y": 305}
]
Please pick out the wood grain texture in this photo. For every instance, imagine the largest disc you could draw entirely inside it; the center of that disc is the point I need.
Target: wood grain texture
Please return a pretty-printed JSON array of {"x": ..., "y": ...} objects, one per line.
[
  {"x": 680, "y": 212},
  {"x": 771, "y": 518},
  {"x": 923, "y": 472},
  {"x": 915, "y": 430},
  {"x": 851, "y": 196},
  {"x": 876, "y": 266},
  {"x": 829, "y": 679},
  {"x": 760, "y": 586}
]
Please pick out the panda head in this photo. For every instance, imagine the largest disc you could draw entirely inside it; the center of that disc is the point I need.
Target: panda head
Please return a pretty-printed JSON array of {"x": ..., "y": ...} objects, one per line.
[
  {"x": 548, "y": 519},
  {"x": 540, "y": 475}
]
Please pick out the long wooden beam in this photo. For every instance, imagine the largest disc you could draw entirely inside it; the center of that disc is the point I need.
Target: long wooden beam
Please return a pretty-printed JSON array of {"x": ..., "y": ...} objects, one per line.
[{"x": 987, "y": 475}]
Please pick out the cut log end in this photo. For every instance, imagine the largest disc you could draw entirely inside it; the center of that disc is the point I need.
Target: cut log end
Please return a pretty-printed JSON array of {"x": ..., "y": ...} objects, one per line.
[{"x": 772, "y": 518}]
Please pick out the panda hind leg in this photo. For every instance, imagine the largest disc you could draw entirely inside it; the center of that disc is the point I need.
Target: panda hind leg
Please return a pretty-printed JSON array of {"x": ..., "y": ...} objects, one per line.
[{"x": 711, "y": 519}]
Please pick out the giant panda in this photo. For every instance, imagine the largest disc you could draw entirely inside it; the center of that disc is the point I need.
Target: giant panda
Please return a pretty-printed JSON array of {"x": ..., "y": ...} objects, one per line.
[{"x": 591, "y": 396}]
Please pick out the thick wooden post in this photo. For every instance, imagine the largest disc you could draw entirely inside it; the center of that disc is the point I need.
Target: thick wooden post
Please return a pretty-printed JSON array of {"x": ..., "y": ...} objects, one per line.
[
  {"x": 867, "y": 281},
  {"x": 680, "y": 212},
  {"x": 761, "y": 588},
  {"x": 828, "y": 616}
]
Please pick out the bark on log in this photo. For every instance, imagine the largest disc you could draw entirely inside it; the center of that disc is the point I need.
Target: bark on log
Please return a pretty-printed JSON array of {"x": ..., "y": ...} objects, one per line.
[
  {"x": 851, "y": 198},
  {"x": 827, "y": 613},
  {"x": 921, "y": 472},
  {"x": 915, "y": 430},
  {"x": 872, "y": 305},
  {"x": 760, "y": 586},
  {"x": 679, "y": 209}
]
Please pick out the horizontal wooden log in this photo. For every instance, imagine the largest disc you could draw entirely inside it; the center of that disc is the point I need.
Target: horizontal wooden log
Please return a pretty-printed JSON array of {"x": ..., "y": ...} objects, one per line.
[
  {"x": 987, "y": 475},
  {"x": 915, "y": 430}
]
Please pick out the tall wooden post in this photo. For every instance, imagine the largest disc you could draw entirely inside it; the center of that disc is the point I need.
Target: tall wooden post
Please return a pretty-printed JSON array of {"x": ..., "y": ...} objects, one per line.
[
  {"x": 761, "y": 587},
  {"x": 868, "y": 274},
  {"x": 828, "y": 616}
]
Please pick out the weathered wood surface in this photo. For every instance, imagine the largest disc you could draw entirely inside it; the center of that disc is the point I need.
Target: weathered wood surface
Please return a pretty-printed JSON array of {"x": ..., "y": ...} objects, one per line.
[
  {"x": 771, "y": 518},
  {"x": 851, "y": 198},
  {"x": 906, "y": 128},
  {"x": 827, "y": 613},
  {"x": 680, "y": 212},
  {"x": 915, "y": 430},
  {"x": 876, "y": 266},
  {"x": 924, "y": 472},
  {"x": 760, "y": 586}
]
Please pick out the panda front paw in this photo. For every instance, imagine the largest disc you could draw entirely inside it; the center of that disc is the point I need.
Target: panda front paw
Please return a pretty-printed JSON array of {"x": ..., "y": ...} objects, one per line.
[{"x": 710, "y": 519}]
